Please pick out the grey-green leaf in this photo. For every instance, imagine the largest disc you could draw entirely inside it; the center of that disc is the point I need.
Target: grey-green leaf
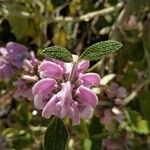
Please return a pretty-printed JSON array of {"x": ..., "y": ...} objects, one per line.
[
  {"x": 57, "y": 52},
  {"x": 98, "y": 50},
  {"x": 56, "y": 135}
]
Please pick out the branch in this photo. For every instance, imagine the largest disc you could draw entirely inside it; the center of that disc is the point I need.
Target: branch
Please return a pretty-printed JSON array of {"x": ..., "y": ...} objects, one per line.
[
  {"x": 87, "y": 16},
  {"x": 134, "y": 93}
]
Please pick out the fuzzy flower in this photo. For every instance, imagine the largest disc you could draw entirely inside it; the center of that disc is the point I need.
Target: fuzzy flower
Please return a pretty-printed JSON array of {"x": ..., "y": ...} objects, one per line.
[{"x": 64, "y": 90}]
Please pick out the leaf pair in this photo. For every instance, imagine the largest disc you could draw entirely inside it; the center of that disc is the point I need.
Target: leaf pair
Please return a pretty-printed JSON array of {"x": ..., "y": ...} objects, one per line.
[{"x": 94, "y": 52}]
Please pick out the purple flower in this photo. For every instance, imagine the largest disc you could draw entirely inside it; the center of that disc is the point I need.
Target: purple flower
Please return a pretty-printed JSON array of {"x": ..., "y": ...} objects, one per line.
[
  {"x": 64, "y": 90},
  {"x": 15, "y": 53},
  {"x": 6, "y": 70},
  {"x": 23, "y": 88},
  {"x": 27, "y": 80},
  {"x": 11, "y": 59},
  {"x": 30, "y": 65}
]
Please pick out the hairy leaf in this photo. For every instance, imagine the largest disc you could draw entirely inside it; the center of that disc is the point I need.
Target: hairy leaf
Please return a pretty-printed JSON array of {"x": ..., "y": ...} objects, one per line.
[
  {"x": 96, "y": 51},
  {"x": 56, "y": 135},
  {"x": 57, "y": 52}
]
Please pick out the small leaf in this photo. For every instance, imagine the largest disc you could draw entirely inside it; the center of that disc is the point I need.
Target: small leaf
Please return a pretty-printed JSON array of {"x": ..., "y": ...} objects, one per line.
[
  {"x": 96, "y": 51},
  {"x": 57, "y": 52},
  {"x": 56, "y": 135}
]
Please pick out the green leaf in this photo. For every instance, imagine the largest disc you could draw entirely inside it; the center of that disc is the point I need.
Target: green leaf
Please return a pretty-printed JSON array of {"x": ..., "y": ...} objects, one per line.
[
  {"x": 18, "y": 22},
  {"x": 96, "y": 51},
  {"x": 138, "y": 124},
  {"x": 57, "y": 52},
  {"x": 87, "y": 144},
  {"x": 56, "y": 135}
]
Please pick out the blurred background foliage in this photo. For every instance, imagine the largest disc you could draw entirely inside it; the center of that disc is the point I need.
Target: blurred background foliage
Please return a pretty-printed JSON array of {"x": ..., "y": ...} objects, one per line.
[{"x": 76, "y": 24}]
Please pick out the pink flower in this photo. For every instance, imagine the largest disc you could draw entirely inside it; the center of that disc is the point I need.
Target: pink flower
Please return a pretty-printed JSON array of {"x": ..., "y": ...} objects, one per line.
[
  {"x": 42, "y": 90},
  {"x": 62, "y": 105},
  {"x": 50, "y": 70},
  {"x": 86, "y": 96},
  {"x": 22, "y": 90},
  {"x": 64, "y": 90},
  {"x": 89, "y": 79}
]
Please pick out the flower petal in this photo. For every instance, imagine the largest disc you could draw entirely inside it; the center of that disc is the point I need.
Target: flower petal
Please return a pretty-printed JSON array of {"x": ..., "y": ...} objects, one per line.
[
  {"x": 62, "y": 105},
  {"x": 83, "y": 66},
  {"x": 3, "y": 51},
  {"x": 16, "y": 53},
  {"x": 69, "y": 107},
  {"x": 44, "y": 84},
  {"x": 52, "y": 107},
  {"x": 87, "y": 96},
  {"x": 87, "y": 112},
  {"x": 12, "y": 45},
  {"x": 39, "y": 100},
  {"x": 89, "y": 79},
  {"x": 50, "y": 70},
  {"x": 6, "y": 70}
]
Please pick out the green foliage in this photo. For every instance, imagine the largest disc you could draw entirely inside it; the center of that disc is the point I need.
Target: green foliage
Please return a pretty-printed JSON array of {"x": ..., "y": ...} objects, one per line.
[
  {"x": 18, "y": 22},
  {"x": 22, "y": 140},
  {"x": 56, "y": 135},
  {"x": 138, "y": 124},
  {"x": 74, "y": 25},
  {"x": 87, "y": 144},
  {"x": 57, "y": 52},
  {"x": 23, "y": 116},
  {"x": 98, "y": 50},
  {"x": 144, "y": 100}
]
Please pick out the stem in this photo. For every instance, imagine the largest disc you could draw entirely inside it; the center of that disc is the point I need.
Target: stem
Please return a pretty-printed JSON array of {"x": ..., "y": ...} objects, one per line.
[
  {"x": 98, "y": 64},
  {"x": 72, "y": 71},
  {"x": 87, "y": 16},
  {"x": 134, "y": 93}
]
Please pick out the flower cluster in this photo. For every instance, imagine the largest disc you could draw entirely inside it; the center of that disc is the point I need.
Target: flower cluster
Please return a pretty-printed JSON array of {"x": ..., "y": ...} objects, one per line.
[
  {"x": 11, "y": 59},
  {"x": 28, "y": 77},
  {"x": 64, "y": 90},
  {"x": 114, "y": 104}
]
